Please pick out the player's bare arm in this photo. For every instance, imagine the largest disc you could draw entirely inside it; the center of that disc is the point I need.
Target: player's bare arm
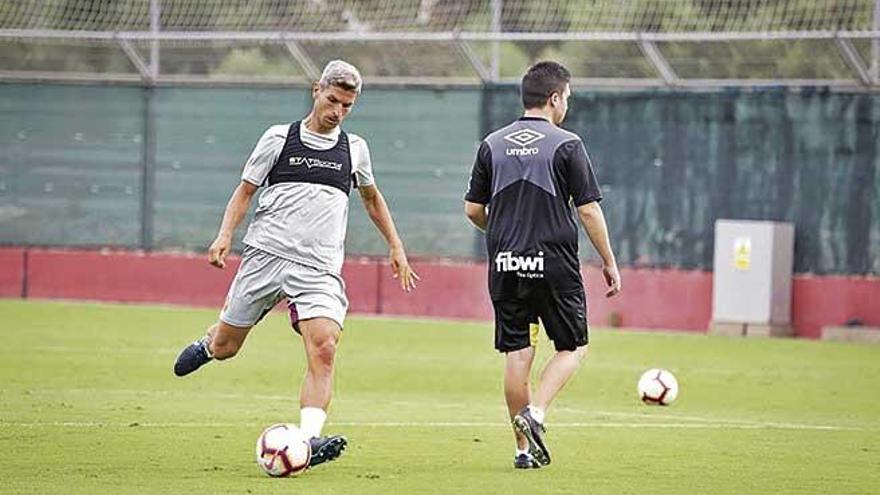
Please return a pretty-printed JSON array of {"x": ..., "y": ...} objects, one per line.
[
  {"x": 235, "y": 211},
  {"x": 593, "y": 221},
  {"x": 378, "y": 211},
  {"x": 476, "y": 213}
]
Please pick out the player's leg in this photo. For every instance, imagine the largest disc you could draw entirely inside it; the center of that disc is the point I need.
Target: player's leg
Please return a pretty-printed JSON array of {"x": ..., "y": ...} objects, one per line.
[
  {"x": 222, "y": 341},
  {"x": 225, "y": 340},
  {"x": 517, "y": 387},
  {"x": 513, "y": 338},
  {"x": 317, "y": 312},
  {"x": 565, "y": 321},
  {"x": 320, "y": 338},
  {"x": 517, "y": 393},
  {"x": 558, "y": 371},
  {"x": 255, "y": 290},
  {"x": 530, "y": 420}
]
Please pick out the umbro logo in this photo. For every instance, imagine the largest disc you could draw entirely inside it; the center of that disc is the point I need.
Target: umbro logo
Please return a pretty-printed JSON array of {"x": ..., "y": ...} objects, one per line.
[{"x": 524, "y": 137}]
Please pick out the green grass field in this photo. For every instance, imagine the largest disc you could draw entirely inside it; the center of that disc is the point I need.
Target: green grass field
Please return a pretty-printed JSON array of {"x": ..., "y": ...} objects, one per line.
[{"x": 88, "y": 404}]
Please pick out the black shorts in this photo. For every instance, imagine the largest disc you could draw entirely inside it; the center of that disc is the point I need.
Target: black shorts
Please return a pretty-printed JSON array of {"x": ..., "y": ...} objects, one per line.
[{"x": 564, "y": 317}]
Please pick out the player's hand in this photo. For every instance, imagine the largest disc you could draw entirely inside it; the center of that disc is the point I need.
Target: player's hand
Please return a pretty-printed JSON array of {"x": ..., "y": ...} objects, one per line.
[
  {"x": 218, "y": 251},
  {"x": 401, "y": 270},
  {"x": 612, "y": 279}
]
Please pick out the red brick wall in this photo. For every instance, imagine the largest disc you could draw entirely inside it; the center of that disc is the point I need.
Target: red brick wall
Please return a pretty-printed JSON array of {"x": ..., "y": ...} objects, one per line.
[
  {"x": 11, "y": 272},
  {"x": 651, "y": 298}
]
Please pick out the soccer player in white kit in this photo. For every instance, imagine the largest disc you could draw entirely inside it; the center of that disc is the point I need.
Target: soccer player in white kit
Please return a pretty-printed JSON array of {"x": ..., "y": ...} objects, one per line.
[{"x": 294, "y": 246}]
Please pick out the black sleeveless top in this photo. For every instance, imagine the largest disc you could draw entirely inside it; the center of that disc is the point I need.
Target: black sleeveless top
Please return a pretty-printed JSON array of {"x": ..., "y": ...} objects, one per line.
[{"x": 299, "y": 163}]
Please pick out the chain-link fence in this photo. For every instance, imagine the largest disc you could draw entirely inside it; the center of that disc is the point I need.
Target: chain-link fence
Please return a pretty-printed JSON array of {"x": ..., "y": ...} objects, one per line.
[{"x": 632, "y": 43}]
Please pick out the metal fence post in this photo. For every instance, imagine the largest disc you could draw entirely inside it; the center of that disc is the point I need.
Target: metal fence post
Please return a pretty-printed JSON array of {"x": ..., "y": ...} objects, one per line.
[
  {"x": 875, "y": 45},
  {"x": 148, "y": 175},
  {"x": 155, "y": 25},
  {"x": 495, "y": 62}
]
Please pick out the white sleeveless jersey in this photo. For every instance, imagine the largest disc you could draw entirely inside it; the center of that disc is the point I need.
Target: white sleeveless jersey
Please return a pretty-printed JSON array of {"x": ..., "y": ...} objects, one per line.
[{"x": 301, "y": 221}]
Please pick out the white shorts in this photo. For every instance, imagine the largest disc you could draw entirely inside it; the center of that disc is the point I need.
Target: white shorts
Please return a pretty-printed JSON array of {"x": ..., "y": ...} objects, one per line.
[{"x": 264, "y": 279}]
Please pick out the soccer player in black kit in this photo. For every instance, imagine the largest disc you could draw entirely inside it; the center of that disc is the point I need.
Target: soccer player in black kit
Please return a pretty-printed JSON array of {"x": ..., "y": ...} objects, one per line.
[{"x": 528, "y": 181}]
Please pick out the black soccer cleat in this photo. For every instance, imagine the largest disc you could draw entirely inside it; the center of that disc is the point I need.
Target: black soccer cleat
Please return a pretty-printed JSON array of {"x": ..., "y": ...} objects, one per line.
[
  {"x": 534, "y": 433},
  {"x": 525, "y": 461},
  {"x": 192, "y": 357},
  {"x": 325, "y": 449}
]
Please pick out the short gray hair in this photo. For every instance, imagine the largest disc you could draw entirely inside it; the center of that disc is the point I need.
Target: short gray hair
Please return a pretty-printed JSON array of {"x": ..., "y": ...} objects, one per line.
[{"x": 341, "y": 74}]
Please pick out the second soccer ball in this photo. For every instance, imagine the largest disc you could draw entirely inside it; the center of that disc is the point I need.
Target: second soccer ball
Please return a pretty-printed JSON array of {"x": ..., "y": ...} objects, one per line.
[{"x": 658, "y": 387}]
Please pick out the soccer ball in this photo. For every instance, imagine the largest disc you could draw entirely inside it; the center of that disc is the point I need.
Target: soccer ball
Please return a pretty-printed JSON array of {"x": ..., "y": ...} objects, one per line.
[
  {"x": 658, "y": 387},
  {"x": 282, "y": 450}
]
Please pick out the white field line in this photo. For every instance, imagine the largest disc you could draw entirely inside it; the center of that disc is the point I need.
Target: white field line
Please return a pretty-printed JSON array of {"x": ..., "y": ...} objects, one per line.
[
  {"x": 435, "y": 404},
  {"x": 398, "y": 403},
  {"x": 671, "y": 419},
  {"x": 437, "y": 424},
  {"x": 652, "y": 415}
]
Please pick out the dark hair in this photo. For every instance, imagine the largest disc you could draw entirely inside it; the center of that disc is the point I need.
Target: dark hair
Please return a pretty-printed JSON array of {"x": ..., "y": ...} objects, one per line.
[{"x": 542, "y": 80}]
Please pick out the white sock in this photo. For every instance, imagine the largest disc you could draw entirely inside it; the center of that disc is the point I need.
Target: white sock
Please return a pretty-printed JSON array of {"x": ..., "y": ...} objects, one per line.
[
  {"x": 207, "y": 340},
  {"x": 311, "y": 421},
  {"x": 520, "y": 451},
  {"x": 537, "y": 413}
]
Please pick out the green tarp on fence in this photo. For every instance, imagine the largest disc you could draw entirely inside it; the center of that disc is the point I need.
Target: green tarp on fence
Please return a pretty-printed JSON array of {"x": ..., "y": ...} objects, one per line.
[{"x": 72, "y": 162}]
